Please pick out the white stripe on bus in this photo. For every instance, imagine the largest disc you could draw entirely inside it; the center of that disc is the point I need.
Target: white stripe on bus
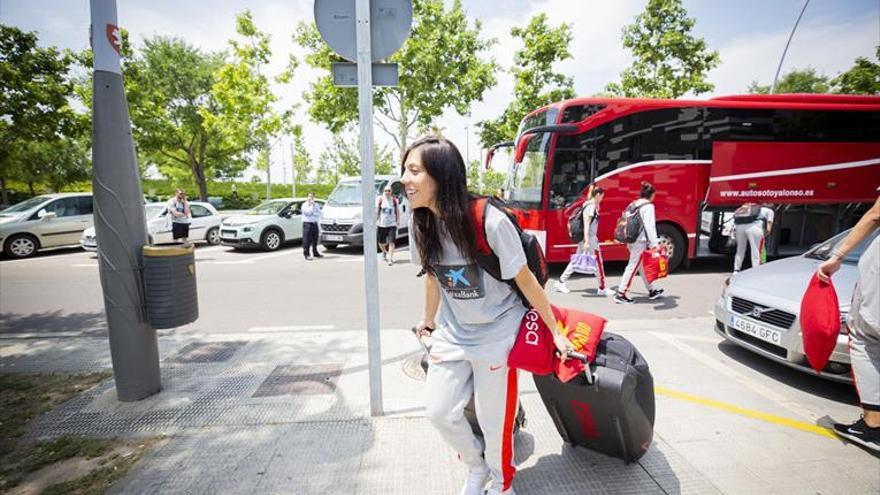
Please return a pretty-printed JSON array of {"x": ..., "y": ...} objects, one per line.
[
  {"x": 652, "y": 163},
  {"x": 801, "y": 170}
]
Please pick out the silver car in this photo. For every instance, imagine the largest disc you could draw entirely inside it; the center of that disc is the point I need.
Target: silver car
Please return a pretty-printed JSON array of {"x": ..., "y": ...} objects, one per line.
[
  {"x": 47, "y": 221},
  {"x": 759, "y": 308}
]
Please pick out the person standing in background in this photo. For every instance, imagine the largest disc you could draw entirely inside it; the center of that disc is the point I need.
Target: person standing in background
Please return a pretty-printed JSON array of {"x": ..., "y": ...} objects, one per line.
[
  {"x": 387, "y": 220},
  {"x": 311, "y": 215},
  {"x": 181, "y": 216},
  {"x": 752, "y": 223}
]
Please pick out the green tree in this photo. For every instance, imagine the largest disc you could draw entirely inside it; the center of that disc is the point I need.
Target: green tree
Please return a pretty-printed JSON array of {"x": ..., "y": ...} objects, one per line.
[
  {"x": 667, "y": 60},
  {"x": 54, "y": 163},
  {"x": 795, "y": 81},
  {"x": 441, "y": 67},
  {"x": 343, "y": 158},
  {"x": 35, "y": 87},
  {"x": 863, "y": 78},
  {"x": 535, "y": 82},
  {"x": 492, "y": 179},
  {"x": 302, "y": 160}
]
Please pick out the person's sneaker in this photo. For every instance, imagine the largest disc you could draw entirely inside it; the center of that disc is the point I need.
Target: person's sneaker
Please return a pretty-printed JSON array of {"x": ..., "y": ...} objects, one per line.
[
  {"x": 317, "y": 255},
  {"x": 385, "y": 257},
  {"x": 622, "y": 299},
  {"x": 654, "y": 294},
  {"x": 603, "y": 292},
  {"x": 476, "y": 480},
  {"x": 390, "y": 261},
  {"x": 860, "y": 433},
  {"x": 496, "y": 490},
  {"x": 561, "y": 287}
]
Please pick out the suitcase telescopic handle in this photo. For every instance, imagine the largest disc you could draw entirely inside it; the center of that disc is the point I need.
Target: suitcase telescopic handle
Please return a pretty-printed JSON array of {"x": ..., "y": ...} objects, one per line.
[
  {"x": 588, "y": 372},
  {"x": 415, "y": 332}
]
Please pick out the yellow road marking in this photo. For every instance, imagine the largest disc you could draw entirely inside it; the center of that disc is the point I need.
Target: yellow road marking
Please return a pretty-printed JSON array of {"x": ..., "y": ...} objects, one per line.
[{"x": 749, "y": 413}]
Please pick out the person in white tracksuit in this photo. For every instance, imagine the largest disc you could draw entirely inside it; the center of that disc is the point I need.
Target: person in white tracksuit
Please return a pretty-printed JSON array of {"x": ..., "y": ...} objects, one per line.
[
  {"x": 590, "y": 244},
  {"x": 647, "y": 240},
  {"x": 863, "y": 323},
  {"x": 753, "y": 234},
  {"x": 479, "y": 316}
]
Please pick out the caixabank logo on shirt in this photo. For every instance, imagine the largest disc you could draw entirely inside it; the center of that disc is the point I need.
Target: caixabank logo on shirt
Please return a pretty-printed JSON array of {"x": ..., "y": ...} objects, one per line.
[{"x": 462, "y": 281}]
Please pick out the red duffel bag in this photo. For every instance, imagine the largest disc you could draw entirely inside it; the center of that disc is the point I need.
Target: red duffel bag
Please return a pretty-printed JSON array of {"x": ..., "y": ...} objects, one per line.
[
  {"x": 533, "y": 349},
  {"x": 655, "y": 263},
  {"x": 820, "y": 322}
]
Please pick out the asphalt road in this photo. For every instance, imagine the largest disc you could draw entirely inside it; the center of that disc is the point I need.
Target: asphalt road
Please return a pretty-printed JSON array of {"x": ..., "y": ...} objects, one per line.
[{"x": 242, "y": 291}]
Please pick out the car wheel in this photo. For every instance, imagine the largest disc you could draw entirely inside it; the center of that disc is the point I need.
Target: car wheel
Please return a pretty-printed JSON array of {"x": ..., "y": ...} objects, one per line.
[
  {"x": 330, "y": 246},
  {"x": 271, "y": 240},
  {"x": 213, "y": 236},
  {"x": 671, "y": 238},
  {"x": 21, "y": 246}
]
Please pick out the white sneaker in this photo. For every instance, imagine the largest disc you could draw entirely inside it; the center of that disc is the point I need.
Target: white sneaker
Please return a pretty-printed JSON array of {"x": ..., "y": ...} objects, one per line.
[
  {"x": 561, "y": 287},
  {"x": 496, "y": 490},
  {"x": 476, "y": 479},
  {"x": 603, "y": 292}
]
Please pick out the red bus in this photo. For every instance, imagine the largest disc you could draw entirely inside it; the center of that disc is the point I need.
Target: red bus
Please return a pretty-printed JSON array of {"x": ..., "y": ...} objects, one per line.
[{"x": 814, "y": 158}]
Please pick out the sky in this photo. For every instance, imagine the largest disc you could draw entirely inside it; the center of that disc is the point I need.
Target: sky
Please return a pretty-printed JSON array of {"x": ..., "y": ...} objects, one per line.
[{"x": 748, "y": 34}]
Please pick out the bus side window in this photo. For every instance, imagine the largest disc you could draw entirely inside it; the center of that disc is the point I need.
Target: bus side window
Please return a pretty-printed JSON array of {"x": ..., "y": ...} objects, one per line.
[{"x": 571, "y": 170}]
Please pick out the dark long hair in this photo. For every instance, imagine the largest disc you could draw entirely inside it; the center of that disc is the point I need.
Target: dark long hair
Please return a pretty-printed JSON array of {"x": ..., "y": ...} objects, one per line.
[{"x": 442, "y": 161}]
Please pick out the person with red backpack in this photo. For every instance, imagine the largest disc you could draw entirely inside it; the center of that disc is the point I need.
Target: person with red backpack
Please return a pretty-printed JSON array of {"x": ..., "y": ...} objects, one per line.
[
  {"x": 639, "y": 233},
  {"x": 752, "y": 224},
  {"x": 472, "y": 316},
  {"x": 588, "y": 242},
  {"x": 387, "y": 220}
]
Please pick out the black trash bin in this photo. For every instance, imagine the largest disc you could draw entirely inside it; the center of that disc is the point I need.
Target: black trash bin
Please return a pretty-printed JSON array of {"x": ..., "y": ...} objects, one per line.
[{"x": 170, "y": 286}]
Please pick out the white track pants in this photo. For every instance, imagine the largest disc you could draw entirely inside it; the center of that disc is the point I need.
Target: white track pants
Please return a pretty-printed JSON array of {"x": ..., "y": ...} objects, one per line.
[
  {"x": 864, "y": 353},
  {"x": 635, "y": 264},
  {"x": 753, "y": 234},
  {"x": 449, "y": 387}
]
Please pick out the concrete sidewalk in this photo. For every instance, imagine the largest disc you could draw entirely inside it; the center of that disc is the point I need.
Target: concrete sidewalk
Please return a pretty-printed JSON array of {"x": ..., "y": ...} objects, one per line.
[{"x": 288, "y": 413}]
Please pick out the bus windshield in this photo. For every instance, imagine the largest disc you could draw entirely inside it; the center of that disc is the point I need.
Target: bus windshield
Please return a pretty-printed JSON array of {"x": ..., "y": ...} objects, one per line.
[{"x": 526, "y": 180}]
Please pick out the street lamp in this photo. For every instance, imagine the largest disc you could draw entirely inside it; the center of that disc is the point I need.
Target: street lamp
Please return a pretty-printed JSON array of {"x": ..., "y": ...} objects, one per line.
[{"x": 790, "y": 36}]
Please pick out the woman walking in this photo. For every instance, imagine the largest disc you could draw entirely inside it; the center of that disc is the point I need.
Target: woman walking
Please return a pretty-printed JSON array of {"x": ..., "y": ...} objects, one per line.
[{"x": 478, "y": 316}]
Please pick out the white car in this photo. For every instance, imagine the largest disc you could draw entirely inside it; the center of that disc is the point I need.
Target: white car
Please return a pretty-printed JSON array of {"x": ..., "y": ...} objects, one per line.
[
  {"x": 267, "y": 226},
  {"x": 205, "y": 225},
  {"x": 51, "y": 220}
]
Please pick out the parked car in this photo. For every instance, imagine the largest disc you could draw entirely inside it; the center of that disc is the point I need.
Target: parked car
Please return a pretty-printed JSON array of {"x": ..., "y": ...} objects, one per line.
[
  {"x": 341, "y": 221},
  {"x": 759, "y": 308},
  {"x": 205, "y": 225},
  {"x": 47, "y": 221},
  {"x": 267, "y": 226}
]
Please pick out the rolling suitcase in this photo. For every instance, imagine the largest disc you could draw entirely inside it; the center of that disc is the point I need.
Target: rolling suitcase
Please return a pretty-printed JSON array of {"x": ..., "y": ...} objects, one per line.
[
  {"x": 470, "y": 410},
  {"x": 611, "y": 409}
]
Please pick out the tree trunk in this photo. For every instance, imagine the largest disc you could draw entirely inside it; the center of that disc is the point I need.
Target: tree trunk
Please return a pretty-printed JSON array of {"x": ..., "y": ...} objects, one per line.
[
  {"x": 402, "y": 128},
  {"x": 4, "y": 197},
  {"x": 199, "y": 175},
  {"x": 31, "y": 187}
]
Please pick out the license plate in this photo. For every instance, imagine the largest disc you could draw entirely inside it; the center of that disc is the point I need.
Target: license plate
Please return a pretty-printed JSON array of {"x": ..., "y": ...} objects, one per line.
[
  {"x": 333, "y": 237},
  {"x": 755, "y": 330},
  {"x": 228, "y": 234}
]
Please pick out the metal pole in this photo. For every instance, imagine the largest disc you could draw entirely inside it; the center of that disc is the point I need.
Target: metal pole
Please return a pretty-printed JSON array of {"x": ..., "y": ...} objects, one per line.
[
  {"x": 368, "y": 196},
  {"x": 268, "y": 173},
  {"x": 790, "y": 36},
  {"x": 119, "y": 216},
  {"x": 293, "y": 170}
]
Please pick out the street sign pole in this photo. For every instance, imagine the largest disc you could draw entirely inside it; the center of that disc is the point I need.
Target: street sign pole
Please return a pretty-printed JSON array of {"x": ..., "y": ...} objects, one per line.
[{"x": 368, "y": 195}]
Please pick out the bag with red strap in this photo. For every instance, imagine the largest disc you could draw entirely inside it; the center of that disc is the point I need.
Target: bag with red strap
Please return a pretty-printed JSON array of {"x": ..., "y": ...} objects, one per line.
[
  {"x": 820, "y": 322},
  {"x": 655, "y": 263}
]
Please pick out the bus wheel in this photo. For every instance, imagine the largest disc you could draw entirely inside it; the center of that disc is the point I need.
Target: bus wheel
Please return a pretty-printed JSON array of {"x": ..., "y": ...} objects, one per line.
[{"x": 674, "y": 242}]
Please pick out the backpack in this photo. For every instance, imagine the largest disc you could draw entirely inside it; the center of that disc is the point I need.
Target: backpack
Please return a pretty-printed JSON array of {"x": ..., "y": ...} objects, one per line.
[
  {"x": 629, "y": 225},
  {"x": 487, "y": 260},
  {"x": 576, "y": 224},
  {"x": 746, "y": 214}
]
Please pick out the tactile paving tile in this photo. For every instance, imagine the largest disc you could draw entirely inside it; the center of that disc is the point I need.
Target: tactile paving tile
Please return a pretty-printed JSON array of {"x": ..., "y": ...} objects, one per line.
[
  {"x": 207, "y": 352},
  {"x": 315, "y": 379}
]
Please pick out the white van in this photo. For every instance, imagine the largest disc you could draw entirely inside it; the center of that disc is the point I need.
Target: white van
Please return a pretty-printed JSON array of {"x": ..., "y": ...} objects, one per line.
[{"x": 341, "y": 221}]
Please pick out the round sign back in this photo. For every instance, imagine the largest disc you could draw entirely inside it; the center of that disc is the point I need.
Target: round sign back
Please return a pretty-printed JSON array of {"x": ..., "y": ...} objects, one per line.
[{"x": 390, "y": 22}]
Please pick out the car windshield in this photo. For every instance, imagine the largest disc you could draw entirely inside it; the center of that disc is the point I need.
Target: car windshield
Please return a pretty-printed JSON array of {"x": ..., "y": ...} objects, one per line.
[
  {"x": 151, "y": 211},
  {"x": 349, "y": 193},
  {"x": 823, "y": 251},
  {"x": 24, "y": 205},
  {"x": 268, "y": 208}
]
